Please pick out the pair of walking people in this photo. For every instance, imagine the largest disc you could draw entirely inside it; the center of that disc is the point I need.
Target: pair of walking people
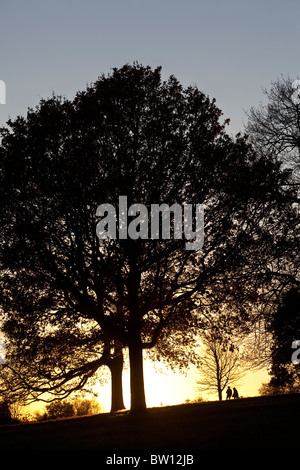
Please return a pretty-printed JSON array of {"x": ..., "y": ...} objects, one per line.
[{"x": 231, "y": 393}]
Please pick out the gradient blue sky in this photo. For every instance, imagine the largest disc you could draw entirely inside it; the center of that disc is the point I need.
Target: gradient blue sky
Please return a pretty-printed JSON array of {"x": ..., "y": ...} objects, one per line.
[{"x": 229, "y": 48}]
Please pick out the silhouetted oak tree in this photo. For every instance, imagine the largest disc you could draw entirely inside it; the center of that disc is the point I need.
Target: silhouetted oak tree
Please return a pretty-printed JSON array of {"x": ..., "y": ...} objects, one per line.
[{"x": 71, "y": 301}]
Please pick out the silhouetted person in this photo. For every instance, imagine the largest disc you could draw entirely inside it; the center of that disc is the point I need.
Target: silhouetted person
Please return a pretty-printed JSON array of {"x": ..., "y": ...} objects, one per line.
[
  {"x": 235, "y": 393},
  {"x": 228, "y": 393}
]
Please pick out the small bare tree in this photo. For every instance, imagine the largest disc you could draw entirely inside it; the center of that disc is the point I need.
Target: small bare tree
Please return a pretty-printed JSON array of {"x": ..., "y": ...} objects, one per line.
[
  {"x": 220, "y": 365},
  {"x": 274, "y": 127}
]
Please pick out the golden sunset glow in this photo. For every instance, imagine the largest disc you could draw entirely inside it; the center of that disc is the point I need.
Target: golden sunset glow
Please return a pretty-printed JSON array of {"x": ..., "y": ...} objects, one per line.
[{"x": 168, "y": 388}]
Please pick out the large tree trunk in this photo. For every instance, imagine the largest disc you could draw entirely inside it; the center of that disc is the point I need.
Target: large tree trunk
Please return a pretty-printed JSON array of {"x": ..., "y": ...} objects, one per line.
[
  {"x": 116, "y": 369},
  {"x": 137, "y": 389}
]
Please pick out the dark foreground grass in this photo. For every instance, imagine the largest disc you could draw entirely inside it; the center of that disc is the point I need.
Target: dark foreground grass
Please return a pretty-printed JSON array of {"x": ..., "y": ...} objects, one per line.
[{"x": 250, "y": 423}]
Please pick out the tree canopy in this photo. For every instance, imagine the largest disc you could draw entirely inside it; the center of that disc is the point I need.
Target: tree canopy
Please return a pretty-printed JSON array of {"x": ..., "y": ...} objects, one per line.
[{"x": 71, "y": 300}]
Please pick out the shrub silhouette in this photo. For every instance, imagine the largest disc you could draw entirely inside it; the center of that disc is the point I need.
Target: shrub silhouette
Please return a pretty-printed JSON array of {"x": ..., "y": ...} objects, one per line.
[
  {"x": 60, "y": 409},
  {"x": 5, "y": 414}
]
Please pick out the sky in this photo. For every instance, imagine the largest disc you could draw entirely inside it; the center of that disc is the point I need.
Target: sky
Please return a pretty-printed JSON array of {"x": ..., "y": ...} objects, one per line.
[{"x": 229, "y": 49}]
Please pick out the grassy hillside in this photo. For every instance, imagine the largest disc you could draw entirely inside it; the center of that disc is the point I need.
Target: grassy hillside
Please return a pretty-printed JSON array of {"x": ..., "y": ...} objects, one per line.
[{"x": 250, "y": 423}]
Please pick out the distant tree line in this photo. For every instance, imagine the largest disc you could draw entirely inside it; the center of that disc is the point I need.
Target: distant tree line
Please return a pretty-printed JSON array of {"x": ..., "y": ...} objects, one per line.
[{"x": 60, "y": 409}]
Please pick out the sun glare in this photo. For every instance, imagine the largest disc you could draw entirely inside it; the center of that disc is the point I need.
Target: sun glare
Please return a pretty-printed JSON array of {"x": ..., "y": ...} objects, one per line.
[
  {"x": 167, "y": 388},
  {"x": 161, "y": 388}
]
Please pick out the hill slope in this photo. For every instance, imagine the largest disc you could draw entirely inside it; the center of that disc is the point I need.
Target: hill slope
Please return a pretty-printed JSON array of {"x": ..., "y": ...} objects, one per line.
[{"x": 251, "y": 423}]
